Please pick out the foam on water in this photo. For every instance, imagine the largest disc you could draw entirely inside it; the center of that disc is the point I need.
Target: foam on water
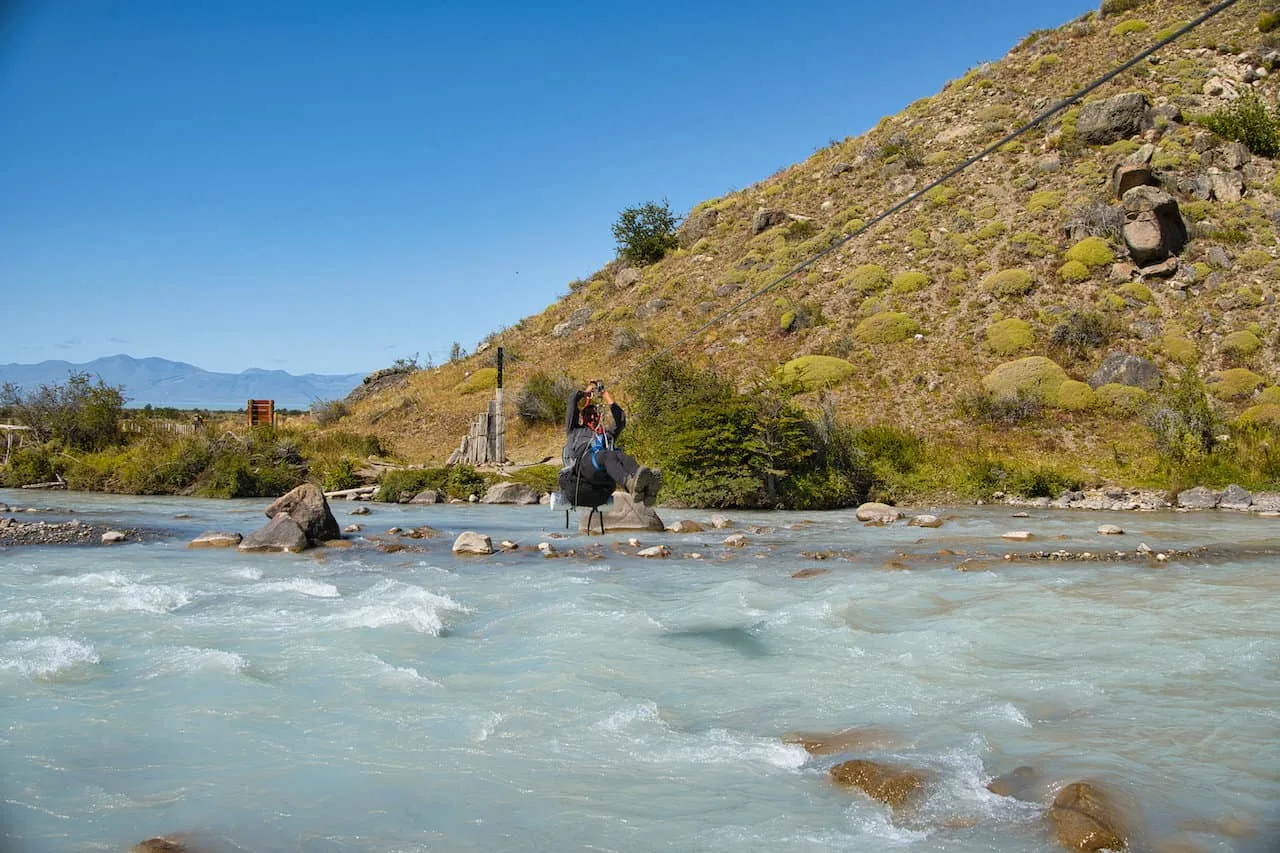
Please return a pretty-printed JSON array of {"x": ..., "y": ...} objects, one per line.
[
  {"x": 302, "y": 586},
  {"x": 188, "y": 660},
  {"x": 22, "y": 619},
  {"x": 392, "y": 602},
  {"x": 46, "y": 657},
  {"x": 115, "y": 592}
]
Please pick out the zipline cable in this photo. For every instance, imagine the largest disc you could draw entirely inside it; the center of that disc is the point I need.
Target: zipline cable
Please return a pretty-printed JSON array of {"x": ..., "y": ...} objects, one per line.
[{"x": 910, "y": 199}]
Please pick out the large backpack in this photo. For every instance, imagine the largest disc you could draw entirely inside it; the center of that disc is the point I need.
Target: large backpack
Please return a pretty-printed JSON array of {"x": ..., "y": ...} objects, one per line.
[{"x": 583, "y": 480}]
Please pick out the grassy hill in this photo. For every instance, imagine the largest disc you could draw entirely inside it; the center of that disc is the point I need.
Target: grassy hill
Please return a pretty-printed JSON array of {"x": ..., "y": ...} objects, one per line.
[{"x": 1019, "y": 256}]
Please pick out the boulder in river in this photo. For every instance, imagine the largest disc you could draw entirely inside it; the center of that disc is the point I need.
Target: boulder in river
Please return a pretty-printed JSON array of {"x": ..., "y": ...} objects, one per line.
[
  {"x": 893, "y": 786},
  {"x": 307, "y": 506}
]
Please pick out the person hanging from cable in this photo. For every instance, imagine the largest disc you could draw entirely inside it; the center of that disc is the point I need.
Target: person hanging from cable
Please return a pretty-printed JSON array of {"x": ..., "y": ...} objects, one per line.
[{"x": 593, "y": 466}]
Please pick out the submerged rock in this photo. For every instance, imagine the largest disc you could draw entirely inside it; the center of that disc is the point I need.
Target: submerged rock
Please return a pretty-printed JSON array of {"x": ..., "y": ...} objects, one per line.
[
  {"x": 216, "y": 539},
  {"x": 625, "y": 514},
  {"x": 1085, "y": 820},
  {"x": 925, "y": 521},
  {"x": 893, "y": 786}
]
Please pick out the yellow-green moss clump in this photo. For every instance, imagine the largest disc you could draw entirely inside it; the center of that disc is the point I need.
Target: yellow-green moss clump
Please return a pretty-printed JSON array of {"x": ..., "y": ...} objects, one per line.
[
  {"x": 1092, "y": 252},
  {"x": 1241, "y": 343},
  {"x": 1234, "y": 384},
  {"x": 909, "y": 282},
  {"x": 1073, "y": 271},
  {"x": 1179, "y": 349},
  {"x": 1269, "y": 395},
  {"x": 787, "y": 321},
  {"x": 484, "y": 379},
  {"x": 1009, "y": 336},
  {"x": 1075, "y": 396},
  {"x": 1034, "y": 376},
  {"x": 1134, "y": 25},
  {"x": 1044, "y": 200},
  {"x": 1136, "y": 292},
  {"x": 815, "y": 371},
  {"x": 869, "y": 278},
  {"x": 1015, "y": 282},
  {"x": 1263, "y": 413},
  {"x": 887, "y": 327},
  {"x": 1121, "y": 399}
]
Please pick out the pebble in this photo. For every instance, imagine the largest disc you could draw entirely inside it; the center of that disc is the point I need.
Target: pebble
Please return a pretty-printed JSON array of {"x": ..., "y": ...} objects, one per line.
[
  {"x": 1110, "y": 530},
  {"x": 737, "y": 540}
]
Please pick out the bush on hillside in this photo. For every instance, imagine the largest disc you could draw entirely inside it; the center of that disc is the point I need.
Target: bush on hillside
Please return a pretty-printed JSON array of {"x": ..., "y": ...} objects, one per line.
[
  {"x": 1184, "y": 425},
  {"x": 1097, "y": 220},
  {"x": 326, "y": 412},
  {"x": 1118, "y": 7},
  {"x": 543, "y": 398},
  {"x": 1080, "y": 332},
  {"x": 645, "y": 233},
  {"x": 1250, "y": 120}
]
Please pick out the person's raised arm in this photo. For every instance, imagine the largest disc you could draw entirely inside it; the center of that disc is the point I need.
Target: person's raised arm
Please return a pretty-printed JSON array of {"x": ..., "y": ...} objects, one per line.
[{"x": 571, "y": 413}]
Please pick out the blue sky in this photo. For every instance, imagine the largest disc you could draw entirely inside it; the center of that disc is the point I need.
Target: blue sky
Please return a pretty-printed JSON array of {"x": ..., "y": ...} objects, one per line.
[{"x": 328, "y": 186}]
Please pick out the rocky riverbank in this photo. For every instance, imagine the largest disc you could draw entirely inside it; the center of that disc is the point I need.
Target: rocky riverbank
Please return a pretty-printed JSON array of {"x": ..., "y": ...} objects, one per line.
[{"x": 17, "y": 531}]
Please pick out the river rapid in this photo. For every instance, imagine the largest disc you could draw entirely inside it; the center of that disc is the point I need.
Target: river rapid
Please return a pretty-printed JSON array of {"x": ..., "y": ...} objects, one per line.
[{"x": 359, "y": 700}]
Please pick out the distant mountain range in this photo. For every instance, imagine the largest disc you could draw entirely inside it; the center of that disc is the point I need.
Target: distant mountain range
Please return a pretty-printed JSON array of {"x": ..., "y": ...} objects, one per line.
[{"x": 161, "y": 382}]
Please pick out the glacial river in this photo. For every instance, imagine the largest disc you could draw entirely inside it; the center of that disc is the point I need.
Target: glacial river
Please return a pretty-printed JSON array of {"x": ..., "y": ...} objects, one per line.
[{"x": 359, "y": 700}]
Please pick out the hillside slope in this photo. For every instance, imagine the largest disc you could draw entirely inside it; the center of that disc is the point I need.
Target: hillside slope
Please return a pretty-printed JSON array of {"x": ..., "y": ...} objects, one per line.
[{"x": 920, "y": 305}]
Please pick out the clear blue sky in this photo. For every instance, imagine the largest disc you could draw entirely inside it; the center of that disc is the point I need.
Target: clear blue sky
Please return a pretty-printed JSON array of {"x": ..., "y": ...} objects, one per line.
[{"x": 328, "y": 186}]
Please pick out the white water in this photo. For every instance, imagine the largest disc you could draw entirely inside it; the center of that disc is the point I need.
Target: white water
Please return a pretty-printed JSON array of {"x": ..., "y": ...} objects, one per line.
[{"x": 354, "y": 700}]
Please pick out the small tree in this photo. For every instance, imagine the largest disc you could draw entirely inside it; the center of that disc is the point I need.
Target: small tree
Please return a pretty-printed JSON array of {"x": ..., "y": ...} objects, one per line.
[
  {"x": 645, "y": 233},
  {"x": 79, "y": 414},
  {"x": 1250, "y": 120}
]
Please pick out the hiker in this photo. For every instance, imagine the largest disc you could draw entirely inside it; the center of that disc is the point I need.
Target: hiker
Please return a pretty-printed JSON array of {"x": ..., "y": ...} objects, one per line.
[{"x": 593, "y": 467}]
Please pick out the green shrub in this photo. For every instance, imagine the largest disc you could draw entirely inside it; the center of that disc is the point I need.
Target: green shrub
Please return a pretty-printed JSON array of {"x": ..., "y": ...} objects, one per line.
[
  {"x": 810, "y": 372},
  {"x": 1009, "y": 336},
  {"x": 1136, "y": 292},
  {"x": 1073, "y": 271},
  {"x": 1133, "y": 25},
  {"x": 909, "y": 282},
  {"x": 339, "y": 476},
  {"x": 459, "y": 481},
  {"x": 1248, "y": 119},
  {"x": 645, "y": 233},
  {"x": 543, "y": 398},
  {"x": 1034, "y": 376},
  {"x": 327, "y": 412},
  {"x": 1004, "y": 408},
  {"x": 1041, "y": 481},
  {"x": 1075, "y": 396},
  {"x": 1268, "y": 21},
  {"x": 1092, "y": 252},
  {"x": 1180, "y": 349},
  {"x": 868, "y": 278},
  {"x": 1254, "y": 259},
  {"x": 1183, "y": 425},
  {"x": 29, "y": 465},
  {"x": 78, "y": 414},
  {"x": 1044, "y": 200},
  {"x": 887, "y": 327},
  {"x": 1012, "y": 282},
  {"x": 1121, "y": 399},
  {"x": 1241, "y": 343},
  {"x": 484, "y": 379},
  {"x": 542, "y": 478},
  {"x": 1234, "y": 384},
  {"x": 1118, "y": 7}
]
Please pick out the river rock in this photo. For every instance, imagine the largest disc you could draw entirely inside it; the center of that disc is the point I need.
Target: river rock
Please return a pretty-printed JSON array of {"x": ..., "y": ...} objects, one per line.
[
  {"x": 720, "y": 522},
  {"x": 160, "y": 845},
  {"x": 625, "y": 514},
  {"x": 282, "y": 533},
  {"x": 216, "y": 539},
  {"x": 361, "y": 510},
  {"x": 1200, "y": 497},
  {"x": 1017, "y": 535},
  {"x": 113, "y": 536},
  {"x": 352, "y": 528},
  {"x": 893, "y": 786},
  {"x": 654, "y": 551},
  {"x": 686, "y": 526},
  {"x": 1084, "y": 820},
  {"x": 925, "y": 521},
  {"x": 736, "y": 540},
  {"x": 877, "y": 513},
  {"x": 510, "y": 493},
  {"x": 1110, "y": 530},
  {"x": 427, "y": 496},
  {"x": 307, "y": 506},
  {"x": 1235, "y": 497},
  {"x": 470, "y": 542},
  {"x": 1021, "y": 783}
]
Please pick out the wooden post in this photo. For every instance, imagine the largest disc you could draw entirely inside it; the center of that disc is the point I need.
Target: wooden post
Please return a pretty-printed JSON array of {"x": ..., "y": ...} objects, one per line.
[{"x": 499, "y": 420}]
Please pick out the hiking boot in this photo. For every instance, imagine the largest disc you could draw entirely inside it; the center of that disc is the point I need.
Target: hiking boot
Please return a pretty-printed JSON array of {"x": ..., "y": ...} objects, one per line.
[
  {"x": 655, "y": 484},
  {"x": 637, "y": 484}
]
